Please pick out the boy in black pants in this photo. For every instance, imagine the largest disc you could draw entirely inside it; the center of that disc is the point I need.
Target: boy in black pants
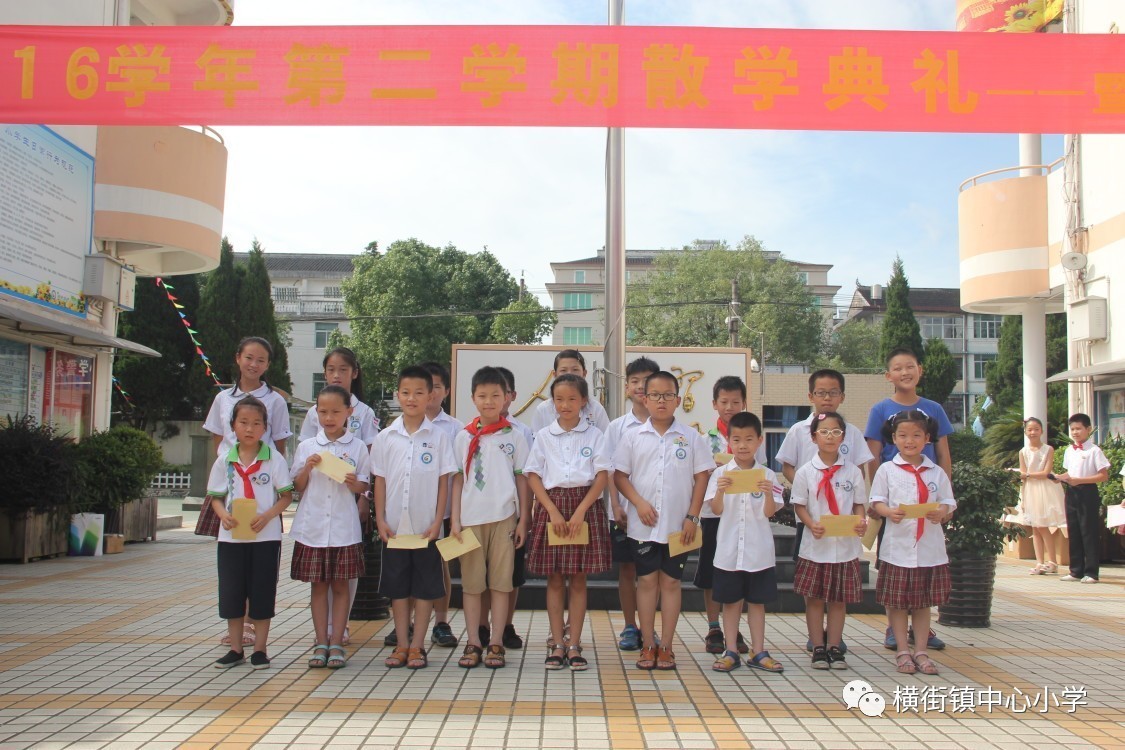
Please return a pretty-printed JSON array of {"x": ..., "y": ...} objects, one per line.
[{"x": 1085, "y": 467}]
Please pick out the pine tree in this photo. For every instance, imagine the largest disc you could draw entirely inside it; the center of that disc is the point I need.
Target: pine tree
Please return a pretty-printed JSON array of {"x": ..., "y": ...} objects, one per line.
[
  {"x": 940, "y": 376},
  {"x": 900, "y": 328},
  {"x": 220, "y": 310},
  {"x": 1003, "y": 376},
  {"x": 257, "y": 317}
]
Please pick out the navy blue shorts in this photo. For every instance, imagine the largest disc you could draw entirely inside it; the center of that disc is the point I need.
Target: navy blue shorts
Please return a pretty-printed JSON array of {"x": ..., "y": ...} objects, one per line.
[
  {"x": 705, "y": 567},
  {"x": 732, "y": 587},
  {"x": 650, "y": 557}
]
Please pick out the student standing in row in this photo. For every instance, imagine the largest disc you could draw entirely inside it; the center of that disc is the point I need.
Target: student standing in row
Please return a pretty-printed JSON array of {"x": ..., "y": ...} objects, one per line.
[
  {"x": 1041, "y": 500},
  {"x": 1085, "y": 467},
  {"x": 569, "y": 362}
]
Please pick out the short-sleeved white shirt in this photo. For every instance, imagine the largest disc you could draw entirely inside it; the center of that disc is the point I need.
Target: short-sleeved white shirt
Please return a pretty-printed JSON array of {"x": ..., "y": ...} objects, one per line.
[
  {"x": 450, "y": 426},
  {"x": 798, "y": 448},
  {"x": 896, "y": 486},
  {"x": 489, "y": 493},
  {"x": 271, "y": 478},
  {"x": 850, "y": 490},
  {"x": 1086, "y": 462},
  {"x": 593, "y": 412},
  {"x": 719, "y": 444},
  {"x": 662, "y": 469},
  {"x": 413, "y": 467},
  {"x": 218, "y": 418},
  {"x": 527, "y": 432},
  {"x": 745, "y": 539},
  {"x": 571, "y": 458},
  {"x": 617, "y": 429},
  {"x": 362, "y": 423},
  {"x": 327, "y": 515}
]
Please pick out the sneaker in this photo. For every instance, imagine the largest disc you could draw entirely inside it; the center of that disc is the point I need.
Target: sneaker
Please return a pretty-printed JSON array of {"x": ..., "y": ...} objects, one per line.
[
  {"x": 1069, "y": 577},
  {"x": 1088, "y": 579},
  {"x": 630, "y": 638},
  {"x": 820, "y": 658},
  {"x": 937, "y": 644},
  {"x": 743, "y": 646},
  {"x": 392, "y": 638},
  {"x": 485, "y": 635},
  {"x": 889, "y": 641},
  {"x": 714, "y": 641},
  {"x": 443, "y": 636},
  {"x": 511, "y": 638},
  {"x": 232, "y": 659},
  {"x": 259, "y": 660},
  {"x": 843, "y": 646},
  {"x": 836, "y": 658}
]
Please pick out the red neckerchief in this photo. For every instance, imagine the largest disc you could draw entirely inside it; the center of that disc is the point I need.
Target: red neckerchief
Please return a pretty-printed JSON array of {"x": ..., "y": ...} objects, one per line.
[
  {"x": 923, "y": 495},
  {"x": 1078, "y": 446},
  {"x": 825, "y": 487},
  {"x": 474, "y": 429},
  {"x": 724, "y": 430},
  {"x": 247, "y": 485}
]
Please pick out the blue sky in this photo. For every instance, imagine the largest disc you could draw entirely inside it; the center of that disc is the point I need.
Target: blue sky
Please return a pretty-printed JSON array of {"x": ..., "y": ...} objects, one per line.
[{"x": 536, "y": 195}]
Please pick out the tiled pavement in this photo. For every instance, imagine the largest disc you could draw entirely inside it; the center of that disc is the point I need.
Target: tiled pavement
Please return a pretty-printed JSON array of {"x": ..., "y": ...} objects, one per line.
[{"x": 116, "y": 652}]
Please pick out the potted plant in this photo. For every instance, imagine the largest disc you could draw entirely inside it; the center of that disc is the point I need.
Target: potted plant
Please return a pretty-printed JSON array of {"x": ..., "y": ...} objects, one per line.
[
  {"x": 116, "y": 468},
  {"x": 974, "y": 536},
  {"x": 38, "y": 469}
]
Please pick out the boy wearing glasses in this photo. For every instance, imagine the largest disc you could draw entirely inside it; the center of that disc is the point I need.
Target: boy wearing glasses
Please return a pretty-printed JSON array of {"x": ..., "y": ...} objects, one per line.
[{"x": 661, "y": 469}]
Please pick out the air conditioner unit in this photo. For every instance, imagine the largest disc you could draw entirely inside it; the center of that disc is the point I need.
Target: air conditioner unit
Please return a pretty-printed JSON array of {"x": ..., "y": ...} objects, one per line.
[{"x": 1089, "y": 319}]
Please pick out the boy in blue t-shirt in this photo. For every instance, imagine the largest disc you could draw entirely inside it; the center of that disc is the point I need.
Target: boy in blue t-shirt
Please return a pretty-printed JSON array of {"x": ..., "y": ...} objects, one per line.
[{"x": 905, "y": 372}]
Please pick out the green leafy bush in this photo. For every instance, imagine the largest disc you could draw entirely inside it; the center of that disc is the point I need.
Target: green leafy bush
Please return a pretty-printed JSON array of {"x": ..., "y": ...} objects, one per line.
[
  {"x": 115, "y": 467},
  {"x": 38, "y": 468},
  {"x": 1111, "y": 491},
  {"x": 965, "y": 446},
  {"x": 975, "y": 532}
]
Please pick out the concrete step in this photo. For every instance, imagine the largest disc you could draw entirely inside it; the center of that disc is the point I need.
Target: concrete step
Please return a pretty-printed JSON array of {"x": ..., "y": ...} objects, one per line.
[
  {"x": 194, "y": 504},
  {"x": 169, "y": 522}
]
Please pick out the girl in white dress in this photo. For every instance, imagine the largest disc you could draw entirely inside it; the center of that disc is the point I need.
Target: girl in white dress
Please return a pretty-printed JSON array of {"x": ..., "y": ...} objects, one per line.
[{"x": 1041, "y": 500}]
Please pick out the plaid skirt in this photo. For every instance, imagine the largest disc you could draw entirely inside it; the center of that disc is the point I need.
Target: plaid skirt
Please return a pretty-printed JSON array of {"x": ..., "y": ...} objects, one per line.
[
  {"x": 569, "y": 559},
  {"x": 912, "y": 588},
  {"x": 319, "y": 564},
  {"x": 208, "y": 523},
  {"x": 830, "y": 582}
]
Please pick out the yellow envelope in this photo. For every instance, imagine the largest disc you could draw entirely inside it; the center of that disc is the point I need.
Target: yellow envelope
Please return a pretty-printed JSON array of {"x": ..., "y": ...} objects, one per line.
[
  {"x": 839, "y": 525},
  {"x": 243, "y": 509},
  {"x": 676, "y": 544},
  {"x": 451, "y": 548},
  {"x": 872, "y": 533},
  {"x": 919, "y": 510},
  {"x": 744, "y": 480},
  {"x": 723, "y": 458},
  {"x": 407, "y": 541},
  {"x": 582, "y": 537},
  {"x": 334, "y": 468}
]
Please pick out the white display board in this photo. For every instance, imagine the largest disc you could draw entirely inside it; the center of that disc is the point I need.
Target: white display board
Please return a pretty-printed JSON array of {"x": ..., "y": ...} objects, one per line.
[{"x": 696, "y": 368}]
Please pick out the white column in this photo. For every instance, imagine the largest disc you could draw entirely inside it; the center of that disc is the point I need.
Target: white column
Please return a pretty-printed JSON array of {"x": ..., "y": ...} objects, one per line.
[
  {"x": 1035, "y": 361},
  {"x": 1031, "y": 153}
]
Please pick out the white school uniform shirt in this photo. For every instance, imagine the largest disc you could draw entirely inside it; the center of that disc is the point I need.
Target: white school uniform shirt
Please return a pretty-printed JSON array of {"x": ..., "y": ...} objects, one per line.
[
  {"x": 850, "y": 490},
  {"x": 593, "y": 412},
  {"x": 617, "y": 429},
  {"x": 362, "y": 423},
  {"x": 327, "y": 515},
  {"x": 719, "y": 445},
  {"x": 413, "y": 467},
  {"x": 662, "y": 469},
  {"x": 896, "y": 486},
  {"x": 218, "y": 418},
  {"x": 527, "y": 432},
  {"x": 450, "y": 426},
  {"x": 1086, "y": 462},
  {"x": 798, "y": 447},
  {"x": 488, "y": 493},
  {"x": 271, "y": 478},
  {"x": 745, "y": 540},
  {"x": 571, "y": 458}
]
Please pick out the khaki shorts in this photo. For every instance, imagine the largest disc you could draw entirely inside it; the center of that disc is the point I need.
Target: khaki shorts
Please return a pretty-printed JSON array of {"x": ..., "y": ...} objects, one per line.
[{"x": 490, "y": 566}]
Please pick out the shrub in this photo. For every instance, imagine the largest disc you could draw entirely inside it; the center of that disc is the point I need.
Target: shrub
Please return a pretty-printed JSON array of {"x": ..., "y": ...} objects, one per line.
[
  {"x": 982, "y": 492},
  {"x": 116, "y": 467},
  {"x": 38, "y": 467},
  {"x": 965, "y": 446}
]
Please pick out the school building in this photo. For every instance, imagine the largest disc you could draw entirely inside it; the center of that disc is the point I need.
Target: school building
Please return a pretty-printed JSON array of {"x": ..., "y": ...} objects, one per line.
[{"x": 83, "y": 212}]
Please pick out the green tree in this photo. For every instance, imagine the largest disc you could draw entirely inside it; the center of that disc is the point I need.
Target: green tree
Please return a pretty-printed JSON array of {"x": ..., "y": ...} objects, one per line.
[
  {"x": 219, "y": 313},
  {"x": 257, "y": 316},
  {"x": 900, "y": 328},
  {"x": 404, "y": 304},
  {"x": 853, "y": 347},
  {"x": 941, "y": 372},
  {"x": 524, "y": 321},
  {"x": 684, "y": 302},
  {"x": 1004, "y": 375}
]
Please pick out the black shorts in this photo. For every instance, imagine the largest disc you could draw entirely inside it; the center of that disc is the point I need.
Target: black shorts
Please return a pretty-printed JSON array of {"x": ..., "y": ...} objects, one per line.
[
  {"x": 413, "y": 573},
  {"x": 705, "y": 567},
  {"x": 519, "y": 567},
  {"x": 248, "y": 570},
  {"x": 732, "y": 587},
  {"x": 619, "y": 544},
  {"x": 651, "y": 557}
]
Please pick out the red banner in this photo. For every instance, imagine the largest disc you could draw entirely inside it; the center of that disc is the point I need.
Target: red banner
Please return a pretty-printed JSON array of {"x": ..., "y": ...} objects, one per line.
[{"x": 595, "y": 76}]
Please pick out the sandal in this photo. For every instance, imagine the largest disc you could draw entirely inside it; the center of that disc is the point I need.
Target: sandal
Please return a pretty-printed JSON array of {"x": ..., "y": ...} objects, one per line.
[
  {"x": 397, "y": 658},
  {"x": 555, "y": 660},
  {"x": 925, "y": 664},
  {"x": 647, "y": 661},
  {"x": 728, "y": 662},
  {"x": 337, "y": 660},
  {"x": 1038, "y": 570},
  {"x": 248, "y": 635},
  {"x": 417, "y": 659},
  {"x": 765, "y": 662},
  {"x": 1050, "y": 568},
  {"x": 471, "y": 657},
  {"x": 665, "y": 659},
  {"x": 905, "y": 663},
  {"x": 494, "y": 659},
  {"x": 319, "y": 660},
  {"x": 577, "y": 661}
]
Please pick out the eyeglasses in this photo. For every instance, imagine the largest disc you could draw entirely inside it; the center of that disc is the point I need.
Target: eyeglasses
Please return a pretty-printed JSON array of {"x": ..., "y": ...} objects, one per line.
[
  {"x": 830, "y": 433},
  {"x": 661, "y": 396},
  {"x": 828, "y": 394}
]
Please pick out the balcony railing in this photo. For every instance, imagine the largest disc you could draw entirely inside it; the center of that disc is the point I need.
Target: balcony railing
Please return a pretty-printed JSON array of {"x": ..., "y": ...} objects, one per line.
[{"x": 298, "y": 308}]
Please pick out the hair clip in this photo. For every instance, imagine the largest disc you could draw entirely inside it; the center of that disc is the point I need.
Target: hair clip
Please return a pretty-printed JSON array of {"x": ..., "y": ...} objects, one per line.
[{"x": 819, "y": 417}]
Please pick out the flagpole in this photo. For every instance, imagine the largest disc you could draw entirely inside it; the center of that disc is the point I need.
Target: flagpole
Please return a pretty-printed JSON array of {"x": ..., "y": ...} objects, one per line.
[{"x": 615, "y": 329}]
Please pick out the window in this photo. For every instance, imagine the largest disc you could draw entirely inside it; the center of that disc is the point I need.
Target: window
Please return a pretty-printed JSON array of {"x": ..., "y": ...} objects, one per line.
[
  {"x": 579, "y": 277},
  {"x": 317, "y": 384},
  {"x": 941, "y": 327},
  {"x": 804, "y": 277},
  {"x": 576, "y": 300},
  {"x": 323, "y": 331},
  {"x": 577, "y": 336},
  {"x": 986, "y": 326},
  {"x": 285, "y": 294},
  {"x": 333, "y": 291},
  {"x": 784, "y": 416},
  {"x": 980, "y": 363}
]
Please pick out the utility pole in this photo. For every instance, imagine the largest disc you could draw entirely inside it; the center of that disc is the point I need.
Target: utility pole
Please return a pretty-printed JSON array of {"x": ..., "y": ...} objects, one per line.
[{"x": 735, "y": 320}]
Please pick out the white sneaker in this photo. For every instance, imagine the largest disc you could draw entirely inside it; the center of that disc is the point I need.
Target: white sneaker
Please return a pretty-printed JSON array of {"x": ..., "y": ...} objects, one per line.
[
  {"x": 1089, "y": 579},
  {"x": 1069, "y": 577}
]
